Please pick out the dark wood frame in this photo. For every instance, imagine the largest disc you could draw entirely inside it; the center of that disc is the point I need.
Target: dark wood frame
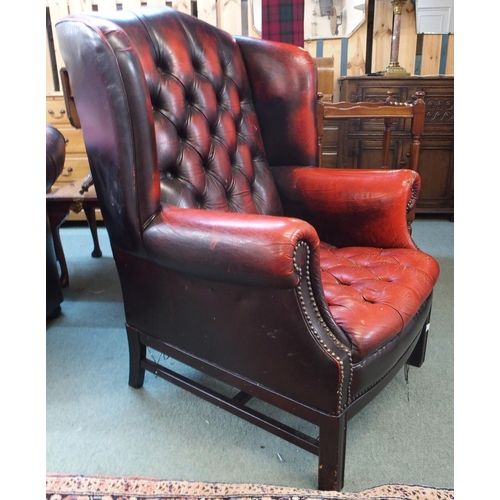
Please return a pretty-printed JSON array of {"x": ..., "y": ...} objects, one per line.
[{"x": 329, "y": 446}]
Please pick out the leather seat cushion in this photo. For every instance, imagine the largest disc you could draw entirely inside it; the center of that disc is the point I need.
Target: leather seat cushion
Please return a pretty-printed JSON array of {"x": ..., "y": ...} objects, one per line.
[{"x": 373, "y": 293}]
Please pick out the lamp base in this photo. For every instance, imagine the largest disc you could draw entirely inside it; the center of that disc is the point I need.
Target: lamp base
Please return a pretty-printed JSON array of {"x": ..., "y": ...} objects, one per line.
[{"x": 394, "y": 70}]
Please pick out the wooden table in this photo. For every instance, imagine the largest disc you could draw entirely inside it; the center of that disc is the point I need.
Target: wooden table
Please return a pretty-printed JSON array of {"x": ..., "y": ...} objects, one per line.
[{"x": 61, "y": 200}]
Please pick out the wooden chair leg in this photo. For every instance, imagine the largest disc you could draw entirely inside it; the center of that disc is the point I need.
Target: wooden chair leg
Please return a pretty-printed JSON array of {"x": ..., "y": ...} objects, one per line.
[
  {"x": 417, "y": 357},
  {"x": 137, "y": 352},
  {"x": 332, "y": 443}
]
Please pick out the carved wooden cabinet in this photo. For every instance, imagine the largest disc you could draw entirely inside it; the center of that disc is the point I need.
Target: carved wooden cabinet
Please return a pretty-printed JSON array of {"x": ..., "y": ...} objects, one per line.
[{"x": 351, "y": 143}]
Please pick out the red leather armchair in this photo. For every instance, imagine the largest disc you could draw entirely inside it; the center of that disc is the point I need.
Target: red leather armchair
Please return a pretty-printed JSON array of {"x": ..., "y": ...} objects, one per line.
[{"x": 237, "y": 255}]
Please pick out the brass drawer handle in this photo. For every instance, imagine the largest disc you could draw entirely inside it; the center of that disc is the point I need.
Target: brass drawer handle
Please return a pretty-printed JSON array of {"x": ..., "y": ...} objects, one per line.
[
  {"x": 69, "y": 170},
  {"x": 62, "y": 112}
]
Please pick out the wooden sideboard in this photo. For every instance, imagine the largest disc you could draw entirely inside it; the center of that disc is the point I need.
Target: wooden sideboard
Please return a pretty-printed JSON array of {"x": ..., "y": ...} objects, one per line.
[{"x": 355, "y": 143}]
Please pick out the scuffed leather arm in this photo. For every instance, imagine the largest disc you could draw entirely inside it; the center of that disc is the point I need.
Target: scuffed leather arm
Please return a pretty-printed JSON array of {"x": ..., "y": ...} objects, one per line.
[
  {"x": 350, "y": 207},
  {"x": 230, "y": 247}
]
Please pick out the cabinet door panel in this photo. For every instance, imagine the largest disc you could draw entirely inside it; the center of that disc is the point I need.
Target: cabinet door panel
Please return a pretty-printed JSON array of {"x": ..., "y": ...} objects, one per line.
[
  {"x": 436, "y": 171},
  {"x": 374, "y": 125},
  {"x": 436, "y": 153},
  {"x": 366, "y": 153},
  {"x": 439, "y": 110}
]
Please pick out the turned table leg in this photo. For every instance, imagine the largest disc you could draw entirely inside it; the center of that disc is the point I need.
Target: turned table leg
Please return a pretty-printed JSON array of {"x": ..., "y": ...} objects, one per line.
[
  {"x": 90, "y": 214},
  {"x": 56, "y": 218},
  {"x": 60, "y": 202}
]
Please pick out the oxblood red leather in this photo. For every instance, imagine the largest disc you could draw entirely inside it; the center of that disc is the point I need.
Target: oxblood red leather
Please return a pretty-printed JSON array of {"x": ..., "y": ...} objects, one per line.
[
  {"x": 373, "y": 293},
  {"x": 236, "y": 254},
  {"x": 352, "y": 207},
  {"x": 242, "y": 248}
]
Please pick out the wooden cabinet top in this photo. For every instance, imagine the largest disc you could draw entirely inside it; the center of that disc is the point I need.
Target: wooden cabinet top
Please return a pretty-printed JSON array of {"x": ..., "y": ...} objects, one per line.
[{"x": 390, "y": 79}]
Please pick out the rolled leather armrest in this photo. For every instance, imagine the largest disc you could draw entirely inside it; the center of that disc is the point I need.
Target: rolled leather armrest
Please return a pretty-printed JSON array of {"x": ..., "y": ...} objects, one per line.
[
  {"x": 230, "y": 247},
  {"x": 351, "y": 207}
]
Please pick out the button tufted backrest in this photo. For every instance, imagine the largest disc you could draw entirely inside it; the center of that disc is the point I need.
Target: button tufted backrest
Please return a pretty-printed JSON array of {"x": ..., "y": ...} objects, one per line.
[
  {"x": 203, "y": 111},
  {"x": 209, "y": 147}
]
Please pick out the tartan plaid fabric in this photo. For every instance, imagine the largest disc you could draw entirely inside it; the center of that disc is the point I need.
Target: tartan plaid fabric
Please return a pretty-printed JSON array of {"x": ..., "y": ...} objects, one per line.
[{"x": 283, "y": 21}]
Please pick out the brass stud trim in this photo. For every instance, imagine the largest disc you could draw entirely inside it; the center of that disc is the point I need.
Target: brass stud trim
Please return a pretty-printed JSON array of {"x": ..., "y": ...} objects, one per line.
[{"x": 321, "y": 342}]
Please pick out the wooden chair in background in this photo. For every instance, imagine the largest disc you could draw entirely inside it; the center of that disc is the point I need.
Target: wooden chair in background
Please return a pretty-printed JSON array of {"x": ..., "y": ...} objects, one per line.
[{"x": 389, "y": 111}]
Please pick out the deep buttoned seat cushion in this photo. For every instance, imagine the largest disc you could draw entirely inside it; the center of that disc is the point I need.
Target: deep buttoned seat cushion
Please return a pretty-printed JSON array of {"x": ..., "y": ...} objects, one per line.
[{"x": 373, "y": 293}]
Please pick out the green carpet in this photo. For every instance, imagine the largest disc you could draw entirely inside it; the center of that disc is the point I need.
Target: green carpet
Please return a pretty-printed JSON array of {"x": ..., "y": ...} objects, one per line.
[{"x": 97, "y": 425}]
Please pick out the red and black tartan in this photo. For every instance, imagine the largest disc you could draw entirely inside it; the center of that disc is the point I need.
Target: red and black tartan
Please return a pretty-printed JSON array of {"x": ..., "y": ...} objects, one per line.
[{"x": 283, "y": 21}]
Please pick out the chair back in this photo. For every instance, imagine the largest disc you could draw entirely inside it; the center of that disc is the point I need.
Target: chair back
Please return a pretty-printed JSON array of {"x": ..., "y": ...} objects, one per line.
[{"x": 167, "y": 116}]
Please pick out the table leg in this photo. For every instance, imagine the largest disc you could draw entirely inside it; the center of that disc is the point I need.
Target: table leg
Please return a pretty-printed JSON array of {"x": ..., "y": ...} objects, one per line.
[
  {"x": 56, "y": 218},
  {"x": 90, "y": 214}
]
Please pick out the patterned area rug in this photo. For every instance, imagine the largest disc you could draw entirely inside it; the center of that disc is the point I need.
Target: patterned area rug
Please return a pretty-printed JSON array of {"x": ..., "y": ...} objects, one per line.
[{"x": 69, "y": 487}]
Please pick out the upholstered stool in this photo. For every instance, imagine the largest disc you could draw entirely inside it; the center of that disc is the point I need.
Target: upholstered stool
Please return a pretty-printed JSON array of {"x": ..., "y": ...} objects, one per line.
[{"x": 55, "y": 156}]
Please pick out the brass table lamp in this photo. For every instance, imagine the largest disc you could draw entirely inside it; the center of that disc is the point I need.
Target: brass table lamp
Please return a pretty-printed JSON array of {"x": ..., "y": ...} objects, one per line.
[{"x": 394, "y": 69}]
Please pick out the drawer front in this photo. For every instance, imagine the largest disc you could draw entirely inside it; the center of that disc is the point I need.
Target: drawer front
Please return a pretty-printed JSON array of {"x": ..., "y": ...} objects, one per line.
[
  {"x": 55, "y": 112},
  {"x": 371, "y": 93},
  {"x": 80, "y": 216},
  {"x": 334, "y": 143},
  {"x": 330, "y": 133},
  {"x": 74, "y": 169},
  {"x": 331, "y": 157},
  {"x": 74, "y": 141}
]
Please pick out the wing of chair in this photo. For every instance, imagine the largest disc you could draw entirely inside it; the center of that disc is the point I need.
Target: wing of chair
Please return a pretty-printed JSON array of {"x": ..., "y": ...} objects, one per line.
[{"x": 237, "y": 255}]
